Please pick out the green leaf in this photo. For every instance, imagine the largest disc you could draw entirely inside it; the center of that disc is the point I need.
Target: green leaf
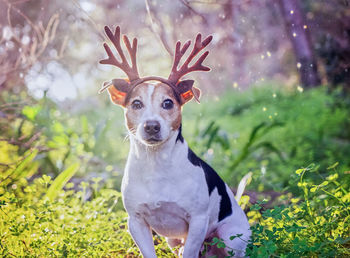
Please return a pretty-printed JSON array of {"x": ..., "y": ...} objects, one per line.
[
  {"x": 215, "y": 240},
  {"x": 254, "y": 132},
  {"x": 313, "y": 189},
  {"x": 233, "y": 237},
  {"x": 208, "y": 129},
  {"x": 269, "y": 146},
  {"x": 221, "y": 245},
  {"x": 299, "y": 171},
  {"x": 333, "y": 166},
  {"x": 255, "y": 207},
  {"x": 324, "y": 183},
  {"x": 31, "y": 112},
  {"x": 20, "y": 169},
  {"x": 61, "y": 180}
]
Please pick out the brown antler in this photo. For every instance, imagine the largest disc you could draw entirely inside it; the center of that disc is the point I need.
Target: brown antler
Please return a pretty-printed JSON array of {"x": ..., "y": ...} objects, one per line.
[
  {"x": 176, "y": 74},
  {"x": 131, "y": 71}
]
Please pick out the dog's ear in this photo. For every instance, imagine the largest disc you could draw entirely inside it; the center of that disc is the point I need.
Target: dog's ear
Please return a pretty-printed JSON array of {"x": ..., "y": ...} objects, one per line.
[
  {"x": 188, "y": 91},
  {"x": 117, "y": 91}
]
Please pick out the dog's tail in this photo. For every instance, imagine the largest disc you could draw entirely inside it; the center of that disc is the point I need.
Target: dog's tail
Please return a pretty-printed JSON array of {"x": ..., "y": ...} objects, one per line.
[{"x": 242, "y": 184}]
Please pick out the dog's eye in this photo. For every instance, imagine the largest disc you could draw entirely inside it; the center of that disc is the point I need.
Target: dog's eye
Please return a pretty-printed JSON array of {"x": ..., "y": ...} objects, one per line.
[
  {"x": 136, "y": 104},
  {"x": 168, "y": 104}
]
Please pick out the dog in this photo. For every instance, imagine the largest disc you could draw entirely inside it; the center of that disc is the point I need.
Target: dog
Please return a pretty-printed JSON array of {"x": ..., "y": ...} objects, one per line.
[{"x": 166, "y": 187}]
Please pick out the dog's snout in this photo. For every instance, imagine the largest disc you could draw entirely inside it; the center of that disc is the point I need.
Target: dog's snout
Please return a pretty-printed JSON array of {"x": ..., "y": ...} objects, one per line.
[{"x": 151, "y": 127}]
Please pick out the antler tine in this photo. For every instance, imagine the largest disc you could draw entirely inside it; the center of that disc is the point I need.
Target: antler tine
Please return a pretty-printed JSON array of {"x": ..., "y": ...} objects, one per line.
[
  {"x": 176, "y": 74},
  {"x": 198, "y": 66},
  {"x": 179, "y": 52},
  {"x": 131, "y": 71},
  {"x": 132, "y": 50}
]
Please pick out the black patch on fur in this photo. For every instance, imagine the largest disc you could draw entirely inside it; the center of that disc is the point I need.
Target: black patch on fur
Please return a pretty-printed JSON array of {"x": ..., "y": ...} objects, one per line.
[
  {"x": 194, "y": 159},
  {"x": 179, "y": 136},
  {"x": 213, "y": 180}
]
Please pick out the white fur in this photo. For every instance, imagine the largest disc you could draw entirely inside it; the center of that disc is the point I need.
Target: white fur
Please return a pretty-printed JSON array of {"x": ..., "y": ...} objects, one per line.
[
  {"x": 151, "y": 112},
  {"x": 162, "y": 190}
]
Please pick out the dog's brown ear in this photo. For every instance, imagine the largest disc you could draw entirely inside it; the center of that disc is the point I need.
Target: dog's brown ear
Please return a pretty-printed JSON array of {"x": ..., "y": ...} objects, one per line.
[
  {"x": 117, "y": 91},
  {"x": 188, "y": 91}
]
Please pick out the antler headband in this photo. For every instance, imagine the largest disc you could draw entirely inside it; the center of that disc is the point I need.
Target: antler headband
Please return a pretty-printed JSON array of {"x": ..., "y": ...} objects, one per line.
[{"x": 181, "y": 88}]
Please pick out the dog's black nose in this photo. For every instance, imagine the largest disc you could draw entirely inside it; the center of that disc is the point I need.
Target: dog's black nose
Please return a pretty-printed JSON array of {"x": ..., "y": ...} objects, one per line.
[{"x": 151, "y": 127}]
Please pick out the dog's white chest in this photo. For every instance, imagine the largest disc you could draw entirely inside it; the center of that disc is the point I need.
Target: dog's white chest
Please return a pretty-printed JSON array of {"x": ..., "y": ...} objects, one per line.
[
  {"x": 170, "y": 193},
  {"x": 166, "y": 218},
  {"x": 165, "y": 195},
  {"x": 162, "y": 204}
]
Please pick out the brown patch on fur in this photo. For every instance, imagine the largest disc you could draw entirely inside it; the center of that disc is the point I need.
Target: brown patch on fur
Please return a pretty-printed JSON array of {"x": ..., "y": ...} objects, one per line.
[
  {"x": 132, "y": 116},
  {"x": 130, "y": 122},
  {"x": 139, "y": 92},
  {"x": 161, "y": 93}
]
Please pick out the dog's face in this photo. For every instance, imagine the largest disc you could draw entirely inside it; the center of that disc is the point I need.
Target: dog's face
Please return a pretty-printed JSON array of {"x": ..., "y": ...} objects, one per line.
[{"x": 152, "y": 113}]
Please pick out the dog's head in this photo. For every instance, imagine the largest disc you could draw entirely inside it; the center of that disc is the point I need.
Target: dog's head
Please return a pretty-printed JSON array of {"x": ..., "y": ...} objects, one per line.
[{"x": 153, "y": 111}]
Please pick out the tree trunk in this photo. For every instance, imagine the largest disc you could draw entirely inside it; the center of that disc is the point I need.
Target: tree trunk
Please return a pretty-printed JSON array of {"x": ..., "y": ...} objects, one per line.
[
  {"x": 299, "y": 35},
  {"x": 237, "y": 49}
]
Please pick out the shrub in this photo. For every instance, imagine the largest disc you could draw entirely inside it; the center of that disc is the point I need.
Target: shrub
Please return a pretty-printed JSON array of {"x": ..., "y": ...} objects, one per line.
[
  {"x": 314, "y": 225},
  {"x": 68, "y": 226},
  {"x": 270, "y": 131},
  {"x": 86, "y": 221}
]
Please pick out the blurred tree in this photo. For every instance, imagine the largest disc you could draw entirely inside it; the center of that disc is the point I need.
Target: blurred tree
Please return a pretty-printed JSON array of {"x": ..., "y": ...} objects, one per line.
[
  {"x": 331, "y": 32},
  {"x": 299, "y": 35},
  {"x": 249, "y": 46},
  {"x": 28, "y": 33}
]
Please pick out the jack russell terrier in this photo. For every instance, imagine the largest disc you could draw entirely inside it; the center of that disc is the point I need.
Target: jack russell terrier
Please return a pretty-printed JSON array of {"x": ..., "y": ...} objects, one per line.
[{"x": 166, "y": 187}]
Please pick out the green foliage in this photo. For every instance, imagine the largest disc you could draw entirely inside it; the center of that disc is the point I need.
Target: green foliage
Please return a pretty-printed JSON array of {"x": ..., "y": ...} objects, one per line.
[
  {"x": 254, "y": 144},
  {"x": 61, "y": 180},
  {"x": 33, "y": 225},
  {"x": 212, "y": 135},
  {"x": 315, "y": 225},
  {"x": 270, "y": 132},
  {"x": 265, "y": 130},
  {"x": 24, "y": 168},
  {"x": 58, "y": 139}
]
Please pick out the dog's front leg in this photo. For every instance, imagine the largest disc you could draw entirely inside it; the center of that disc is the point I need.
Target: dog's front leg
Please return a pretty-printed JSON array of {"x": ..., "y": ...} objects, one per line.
[
  {"x": 142, "y": 235},
  {"x": 197, "y": 231}
]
